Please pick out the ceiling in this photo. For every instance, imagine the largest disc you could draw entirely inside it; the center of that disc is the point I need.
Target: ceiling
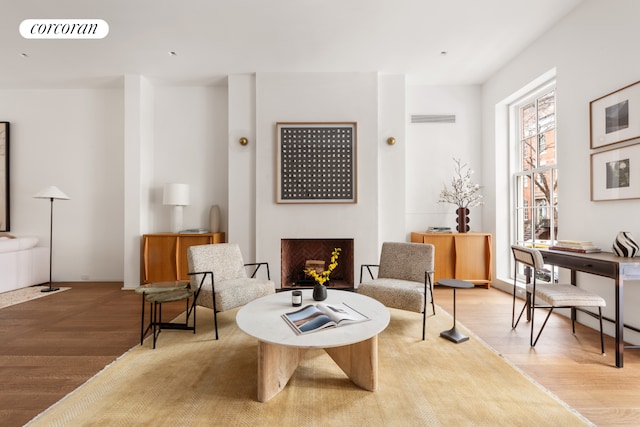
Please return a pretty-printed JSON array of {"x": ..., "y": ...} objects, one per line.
[{"x": 214, "y": 38}]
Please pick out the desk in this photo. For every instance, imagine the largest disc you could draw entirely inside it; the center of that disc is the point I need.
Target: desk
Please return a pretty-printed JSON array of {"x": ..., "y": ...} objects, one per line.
[{"x": 603, "y": 264}]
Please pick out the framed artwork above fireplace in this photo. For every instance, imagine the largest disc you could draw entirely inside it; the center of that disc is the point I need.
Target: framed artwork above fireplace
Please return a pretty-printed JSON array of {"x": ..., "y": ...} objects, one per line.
[{"x": 316, "y": 163}]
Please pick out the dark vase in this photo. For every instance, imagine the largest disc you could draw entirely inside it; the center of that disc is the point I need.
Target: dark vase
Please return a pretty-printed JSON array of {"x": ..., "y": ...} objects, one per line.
[
  {"x": 463, "y": 220},
  {"x": 319, "y": 292}
]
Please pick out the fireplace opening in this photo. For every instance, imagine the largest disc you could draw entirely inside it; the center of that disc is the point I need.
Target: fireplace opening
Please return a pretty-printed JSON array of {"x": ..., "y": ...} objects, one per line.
[{"x": 296, "y": 252}]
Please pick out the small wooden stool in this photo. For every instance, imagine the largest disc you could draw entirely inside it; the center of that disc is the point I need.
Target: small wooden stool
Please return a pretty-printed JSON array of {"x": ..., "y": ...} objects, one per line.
[{"x": 453, "y": 334}]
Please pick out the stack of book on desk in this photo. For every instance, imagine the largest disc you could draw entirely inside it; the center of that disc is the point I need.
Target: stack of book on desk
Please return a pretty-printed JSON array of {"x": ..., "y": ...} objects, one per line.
[
  {"x": 439, "y": 230},
  {"x": 580, "y": 246}
]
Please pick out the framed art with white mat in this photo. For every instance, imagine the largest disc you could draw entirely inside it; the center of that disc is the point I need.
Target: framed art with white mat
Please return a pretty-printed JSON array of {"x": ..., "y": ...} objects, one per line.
[
  {"x": 615, "y": 117},
  {"x": 615, "y": 174}
]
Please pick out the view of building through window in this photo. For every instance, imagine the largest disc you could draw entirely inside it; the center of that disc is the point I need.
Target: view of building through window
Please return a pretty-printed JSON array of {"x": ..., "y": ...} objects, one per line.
[{"x": 536, "y": 175}]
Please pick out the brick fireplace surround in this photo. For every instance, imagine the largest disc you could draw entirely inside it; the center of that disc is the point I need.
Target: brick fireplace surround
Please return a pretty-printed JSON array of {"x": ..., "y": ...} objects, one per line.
[{"x": 295, "y": 253}]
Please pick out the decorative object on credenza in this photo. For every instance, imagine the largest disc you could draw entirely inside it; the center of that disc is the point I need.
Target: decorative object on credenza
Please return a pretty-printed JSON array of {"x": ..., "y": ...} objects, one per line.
[
  {"x": 615, "y": 117},
  {"x": 4, "y": 177},
  {"x": 316, "y": 163},
  {"x": 463, "y": 193},
  {"x": 214, "y": 219},
  {"x": 615, "y": 174},
  {"x": 52, "y": 193},
  {"x": 176, "y": 195},
  {"x": 625, "y": 245},
  {"x": 322, "y": 277}
]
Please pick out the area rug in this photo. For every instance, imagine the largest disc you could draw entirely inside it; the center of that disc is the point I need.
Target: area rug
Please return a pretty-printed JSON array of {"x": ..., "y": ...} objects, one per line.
[
  {"x": 192, "y": 380},
  {"x": 25, "y": 294}
]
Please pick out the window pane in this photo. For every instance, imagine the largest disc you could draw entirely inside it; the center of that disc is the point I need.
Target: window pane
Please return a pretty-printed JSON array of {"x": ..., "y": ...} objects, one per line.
[
  {"x": 547, "y": 112},
  {"x": 529, "y": 153},
  {"x": 528, "y": 121}
]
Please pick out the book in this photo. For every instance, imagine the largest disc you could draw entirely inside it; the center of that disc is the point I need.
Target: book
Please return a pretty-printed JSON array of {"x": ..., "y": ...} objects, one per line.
[
  {"x": 577, "y": 250},
  {"x": 312, "y": 318},
  {"x": 580, "y": 246},
  {"x": 439, "y": 230}
]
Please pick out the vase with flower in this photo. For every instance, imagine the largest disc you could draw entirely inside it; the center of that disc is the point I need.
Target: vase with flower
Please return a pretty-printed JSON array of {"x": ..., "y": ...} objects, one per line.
[
  {"x": 323, "y": 277},
  {"x": 462, "y": 193}
]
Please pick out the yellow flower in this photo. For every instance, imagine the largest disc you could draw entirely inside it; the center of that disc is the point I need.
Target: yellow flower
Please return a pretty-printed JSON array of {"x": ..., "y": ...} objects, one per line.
[{"x": 324, "y": 276}]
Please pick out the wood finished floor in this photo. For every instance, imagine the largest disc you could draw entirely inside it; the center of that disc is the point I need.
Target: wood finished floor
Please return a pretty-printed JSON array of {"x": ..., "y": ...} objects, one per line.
[{"x": 54, "y": 344}]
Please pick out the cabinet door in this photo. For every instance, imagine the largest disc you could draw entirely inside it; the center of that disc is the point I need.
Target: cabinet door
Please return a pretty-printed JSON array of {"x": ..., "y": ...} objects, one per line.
[
  {"x": 159, "y": 259},
  {"x": 184, "y": 242},
  {"x": 473, "y": 257},
  {"x": 445, "y": 255}
]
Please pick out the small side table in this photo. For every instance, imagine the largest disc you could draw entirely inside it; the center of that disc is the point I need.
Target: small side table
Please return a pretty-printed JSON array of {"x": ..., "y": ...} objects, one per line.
[
  {"x": 453, "y": 334},
  {"x": 156, "y": 294}
]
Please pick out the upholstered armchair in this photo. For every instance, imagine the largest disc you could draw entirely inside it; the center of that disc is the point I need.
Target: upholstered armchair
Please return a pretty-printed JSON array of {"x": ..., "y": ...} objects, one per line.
[
  {"x": 405, "y": 275},
  {"x": 220, "y": 281}
]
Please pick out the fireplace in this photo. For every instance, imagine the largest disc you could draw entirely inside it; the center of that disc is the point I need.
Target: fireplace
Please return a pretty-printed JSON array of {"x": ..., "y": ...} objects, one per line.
[{"x": 296, "y": 252}]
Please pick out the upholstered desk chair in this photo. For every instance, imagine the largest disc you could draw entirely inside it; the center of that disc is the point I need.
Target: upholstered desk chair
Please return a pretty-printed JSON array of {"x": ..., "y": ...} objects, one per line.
[
  {"x": 550, "y": 295},
  {"x": 405, "y": 274},
  {"x": 220, "y": 281}
]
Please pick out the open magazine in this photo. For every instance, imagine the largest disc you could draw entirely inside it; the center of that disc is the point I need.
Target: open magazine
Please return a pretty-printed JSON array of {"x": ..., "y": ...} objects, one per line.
[{"x": 316, "y": 317}]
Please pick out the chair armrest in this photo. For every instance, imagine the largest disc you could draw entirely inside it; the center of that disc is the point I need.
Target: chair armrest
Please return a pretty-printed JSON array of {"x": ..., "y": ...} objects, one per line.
[
  {"x": 368, "y": 267},
  {"x": 257, "y": 266},
  {"x": 204, "y": 276}
]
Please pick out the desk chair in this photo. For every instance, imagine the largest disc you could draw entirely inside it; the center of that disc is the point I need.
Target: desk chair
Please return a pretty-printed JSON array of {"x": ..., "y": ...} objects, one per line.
[{"x": 553, "y": 294}]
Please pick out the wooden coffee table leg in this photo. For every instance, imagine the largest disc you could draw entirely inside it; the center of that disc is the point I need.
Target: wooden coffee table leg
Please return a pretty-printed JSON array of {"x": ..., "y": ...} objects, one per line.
[
  {"x": 359, "y": 361},
  {"x": 276, "y": 365}
]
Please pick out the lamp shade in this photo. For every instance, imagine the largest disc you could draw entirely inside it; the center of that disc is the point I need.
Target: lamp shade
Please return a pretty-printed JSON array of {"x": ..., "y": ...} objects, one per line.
[
  {"x": 51, "y": 192},
  {"x": 176, "y": 194}
]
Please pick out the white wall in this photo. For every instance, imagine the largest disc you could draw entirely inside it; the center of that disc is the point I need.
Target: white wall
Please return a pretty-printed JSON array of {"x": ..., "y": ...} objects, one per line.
[
  {"x": 431, "y": 148},
  {"x": 309, "y": 97},
  {"x": 594, "y": 53},
  {"x": 71, "y": 139}
]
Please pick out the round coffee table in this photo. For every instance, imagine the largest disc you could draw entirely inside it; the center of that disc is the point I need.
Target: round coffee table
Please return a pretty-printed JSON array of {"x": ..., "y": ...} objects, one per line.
[{"x": 353, "y": 347}]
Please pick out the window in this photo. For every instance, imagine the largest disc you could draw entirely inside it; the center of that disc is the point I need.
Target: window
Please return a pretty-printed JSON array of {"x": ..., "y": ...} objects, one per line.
[{"x": 535, "y": 175}]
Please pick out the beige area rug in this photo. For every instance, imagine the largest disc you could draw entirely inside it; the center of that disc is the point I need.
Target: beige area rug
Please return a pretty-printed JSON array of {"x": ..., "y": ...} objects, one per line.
[
  {"x": 25, "y": 294},
  {"x": 193, "y": 380}
]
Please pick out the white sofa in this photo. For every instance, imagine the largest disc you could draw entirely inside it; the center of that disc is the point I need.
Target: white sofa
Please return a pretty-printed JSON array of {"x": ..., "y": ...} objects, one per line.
[{"x": 22, "y": 263}]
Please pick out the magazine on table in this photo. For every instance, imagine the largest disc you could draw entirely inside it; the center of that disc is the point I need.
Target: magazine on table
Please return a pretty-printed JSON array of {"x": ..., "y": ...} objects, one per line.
[{"x": 320, "y": 316}]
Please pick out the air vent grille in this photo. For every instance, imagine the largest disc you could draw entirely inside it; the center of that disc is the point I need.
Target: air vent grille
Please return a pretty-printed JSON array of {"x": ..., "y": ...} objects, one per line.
[{"x": 433, "y": 118}]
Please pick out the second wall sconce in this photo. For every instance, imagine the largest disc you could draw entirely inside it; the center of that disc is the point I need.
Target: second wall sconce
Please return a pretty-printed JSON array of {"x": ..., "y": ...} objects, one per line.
[{"x": 243, "y": 141}]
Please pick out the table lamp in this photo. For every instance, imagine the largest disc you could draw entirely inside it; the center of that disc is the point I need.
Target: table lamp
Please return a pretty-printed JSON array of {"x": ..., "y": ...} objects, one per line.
[
  {"x": 176, "y": 195},
  {"x": 51, "y": 193}
]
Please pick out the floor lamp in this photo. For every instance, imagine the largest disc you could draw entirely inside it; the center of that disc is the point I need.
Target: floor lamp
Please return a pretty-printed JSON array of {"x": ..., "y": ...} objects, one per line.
[{"x": 51, "y": 193}]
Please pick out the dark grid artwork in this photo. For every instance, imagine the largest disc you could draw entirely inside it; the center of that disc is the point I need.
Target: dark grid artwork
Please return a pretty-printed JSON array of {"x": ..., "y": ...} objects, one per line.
[{"x": 317, "y": 162}]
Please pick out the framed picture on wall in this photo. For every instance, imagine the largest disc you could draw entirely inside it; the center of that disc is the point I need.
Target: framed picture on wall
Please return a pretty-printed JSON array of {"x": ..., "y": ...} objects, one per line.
[
  {"x": 615, "y": 117},
  {"x": 316, "y": 163},
  {"x": 4, "y": 176},
  {"x": 615, "y": 174}
]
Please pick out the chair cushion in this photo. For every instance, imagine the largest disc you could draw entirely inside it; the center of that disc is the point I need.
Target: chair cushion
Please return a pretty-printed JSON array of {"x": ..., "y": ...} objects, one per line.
[
  {"x": 395, "y": 293},
  {"x": 405, "y": 261},
  {"x": 235, "y": 292},
  {"x": 567, "y": 295}
]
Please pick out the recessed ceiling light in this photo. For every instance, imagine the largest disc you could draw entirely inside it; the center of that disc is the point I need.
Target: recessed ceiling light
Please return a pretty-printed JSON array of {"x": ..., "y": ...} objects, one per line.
[
  {"x": 444, "y": 53},
  {"x": 24, "y": 55},
  {"x": 173, "y": 53}
]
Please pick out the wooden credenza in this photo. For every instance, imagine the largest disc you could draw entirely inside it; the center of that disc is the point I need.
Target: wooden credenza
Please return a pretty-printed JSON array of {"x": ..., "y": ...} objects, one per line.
[
  {"x": 164, "y": 255},
  {"x": 463, "y": 256}
]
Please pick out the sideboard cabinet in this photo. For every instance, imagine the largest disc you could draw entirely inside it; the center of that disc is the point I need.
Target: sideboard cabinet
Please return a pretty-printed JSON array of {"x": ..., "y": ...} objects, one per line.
[
  {"x": 463, "y": 256},
  {"x": 164, "y": 255}
]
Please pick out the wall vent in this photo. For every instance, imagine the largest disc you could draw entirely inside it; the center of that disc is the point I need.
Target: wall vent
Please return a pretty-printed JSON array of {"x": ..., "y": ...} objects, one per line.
[{"x": 433, "y": 118}]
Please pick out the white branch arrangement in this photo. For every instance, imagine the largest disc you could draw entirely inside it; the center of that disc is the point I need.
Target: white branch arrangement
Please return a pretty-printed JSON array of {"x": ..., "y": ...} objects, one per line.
[{"x": 463, "y": 193}]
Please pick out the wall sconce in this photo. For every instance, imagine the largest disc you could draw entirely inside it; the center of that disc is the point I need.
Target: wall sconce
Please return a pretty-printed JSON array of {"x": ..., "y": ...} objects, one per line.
[
  {"x": 243, "y": 141},
  {"x": 391, "y": 140},
  {"x": 176, "y": 195}
]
